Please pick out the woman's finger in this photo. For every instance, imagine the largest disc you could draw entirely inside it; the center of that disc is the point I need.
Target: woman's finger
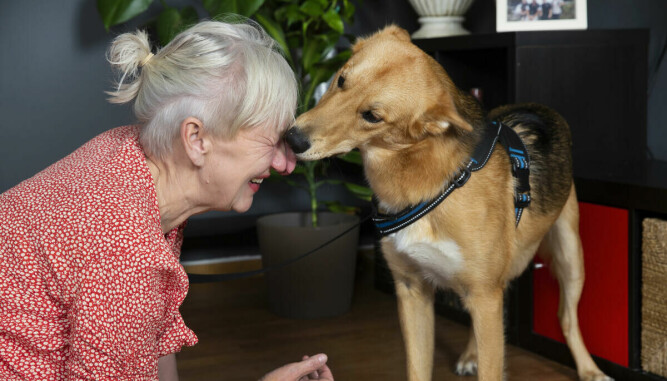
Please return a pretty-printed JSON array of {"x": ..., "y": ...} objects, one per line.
[
  {"x": 313, "y": 375},
  {"x": 309, "y": 366}
]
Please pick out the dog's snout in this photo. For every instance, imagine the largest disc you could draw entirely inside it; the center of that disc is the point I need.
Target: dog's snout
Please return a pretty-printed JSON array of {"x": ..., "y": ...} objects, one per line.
[{"x": 297, "y": 140}]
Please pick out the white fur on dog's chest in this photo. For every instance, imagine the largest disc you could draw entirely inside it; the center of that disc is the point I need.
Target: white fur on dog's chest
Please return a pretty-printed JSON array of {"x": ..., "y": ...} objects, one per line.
[{"x": 438, "y": 260}]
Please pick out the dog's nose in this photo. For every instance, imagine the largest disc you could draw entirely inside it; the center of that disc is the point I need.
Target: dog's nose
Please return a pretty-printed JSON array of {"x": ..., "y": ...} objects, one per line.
[{"x": 297, "y": 140}]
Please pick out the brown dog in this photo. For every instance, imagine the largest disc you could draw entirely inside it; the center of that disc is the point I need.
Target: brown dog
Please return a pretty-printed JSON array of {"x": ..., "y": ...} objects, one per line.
[{"x": 415, "y": 131}]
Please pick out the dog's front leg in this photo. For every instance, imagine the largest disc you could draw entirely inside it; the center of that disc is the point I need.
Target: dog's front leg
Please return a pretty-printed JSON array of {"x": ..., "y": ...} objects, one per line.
[
  {"x": 415, "y": 310},
  {"x": 486, "y": 310}
]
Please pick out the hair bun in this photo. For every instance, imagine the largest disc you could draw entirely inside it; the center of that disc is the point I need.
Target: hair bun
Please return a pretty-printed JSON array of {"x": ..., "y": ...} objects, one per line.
[
  {"x": 128, "y": 52},
  {"x": 143, "y": 62}
]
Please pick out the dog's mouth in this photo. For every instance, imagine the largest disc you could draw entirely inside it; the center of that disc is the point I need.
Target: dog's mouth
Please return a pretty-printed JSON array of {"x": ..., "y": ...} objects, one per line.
[
  {"x": 309, "y": 156},
  {"x": 317, "y": 155},
  {"x": 309, "y": 148}
]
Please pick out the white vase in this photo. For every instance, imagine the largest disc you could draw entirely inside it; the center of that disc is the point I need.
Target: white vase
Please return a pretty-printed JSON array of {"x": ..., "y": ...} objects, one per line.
[{"x": 440, "y": 18}]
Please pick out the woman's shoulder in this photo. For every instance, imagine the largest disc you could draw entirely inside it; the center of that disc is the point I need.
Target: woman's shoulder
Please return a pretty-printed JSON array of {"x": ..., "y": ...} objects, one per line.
[
  {"x": 108, "y": 173},
  {"x": 109, "y": 142}
]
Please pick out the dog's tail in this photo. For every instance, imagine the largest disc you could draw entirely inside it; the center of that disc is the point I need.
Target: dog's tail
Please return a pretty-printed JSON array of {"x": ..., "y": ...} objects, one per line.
[{"x": 548, "y": 140}]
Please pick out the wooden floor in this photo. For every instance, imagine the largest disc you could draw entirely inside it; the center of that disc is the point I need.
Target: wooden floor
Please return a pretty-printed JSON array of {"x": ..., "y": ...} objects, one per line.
[{"x": 240, "y": 339}]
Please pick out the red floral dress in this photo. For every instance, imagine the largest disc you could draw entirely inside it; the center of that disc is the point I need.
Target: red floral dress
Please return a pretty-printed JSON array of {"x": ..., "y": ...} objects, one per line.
[{"x": 90, "y": 287}]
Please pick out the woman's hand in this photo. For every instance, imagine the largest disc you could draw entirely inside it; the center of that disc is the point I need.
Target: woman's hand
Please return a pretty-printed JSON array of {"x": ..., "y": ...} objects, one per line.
[{"x": 309, "y": 368}]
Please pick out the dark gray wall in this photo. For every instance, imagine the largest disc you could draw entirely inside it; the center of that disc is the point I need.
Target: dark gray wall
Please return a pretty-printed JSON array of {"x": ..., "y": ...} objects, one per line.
[{"x": 53, "y": 75}]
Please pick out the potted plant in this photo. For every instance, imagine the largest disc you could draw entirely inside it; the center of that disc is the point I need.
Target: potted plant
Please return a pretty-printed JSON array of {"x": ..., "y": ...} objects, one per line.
[{"x": 308, "y": 32}]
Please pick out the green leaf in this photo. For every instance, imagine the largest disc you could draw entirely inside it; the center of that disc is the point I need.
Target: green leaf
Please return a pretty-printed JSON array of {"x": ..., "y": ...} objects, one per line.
[
  {"x": 337, "y": 207},
  {"x": 322, "y": 72},
  {"x": 189, "y": 16},
  {"x": 332, "y": 18},
  {"x": 289, "y": 13},
  {"x": 307, "y": 101},
  {"x": 276, "y": 32},
  {"x": 360, "y": 191},
  {"x": 114, "y": 12},
  {"x": 169, "y": 23},
  {"x": 312, "y": 8},
  {"x": 249, "y": 7},
  {"x": 313, "y": 51},
  {"x": 330, "y": 38},
  {"x": 211, "y": 6},
  {"x": 217, "y": 8},
  {"x": 299, "y": 170},
  {"x": 348, "y": 11},
  {"x": 352, "y": 157},
  {"x": 334, "y": 63}
]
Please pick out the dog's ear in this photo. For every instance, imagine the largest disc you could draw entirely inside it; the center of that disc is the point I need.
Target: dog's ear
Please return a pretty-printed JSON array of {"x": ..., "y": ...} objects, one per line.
[
  {"x": 392, "y": 31},
  {"x": 397, "y": 32},
  {"x": 436, "y": 120},
  {"x": 358, "y": 44}
]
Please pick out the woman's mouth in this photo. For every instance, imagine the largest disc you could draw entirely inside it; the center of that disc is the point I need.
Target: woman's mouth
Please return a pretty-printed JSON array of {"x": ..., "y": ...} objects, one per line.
[{"x": 254, "y": 183}]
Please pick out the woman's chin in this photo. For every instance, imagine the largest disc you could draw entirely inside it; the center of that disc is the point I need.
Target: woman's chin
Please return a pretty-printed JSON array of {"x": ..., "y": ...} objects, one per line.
[{"x": 243, "y": 206}]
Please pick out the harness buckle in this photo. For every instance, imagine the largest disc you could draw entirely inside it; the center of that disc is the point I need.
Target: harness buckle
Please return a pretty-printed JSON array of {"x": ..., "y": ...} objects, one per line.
[
  {"x": 463, "y": 178},
  {"x": 522, "y": 200}
]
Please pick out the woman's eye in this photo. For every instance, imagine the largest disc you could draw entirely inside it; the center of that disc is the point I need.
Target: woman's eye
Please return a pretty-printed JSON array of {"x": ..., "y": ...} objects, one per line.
[
  {"x": 341, "y": 81},
  {"x": 370, "y": 117}
]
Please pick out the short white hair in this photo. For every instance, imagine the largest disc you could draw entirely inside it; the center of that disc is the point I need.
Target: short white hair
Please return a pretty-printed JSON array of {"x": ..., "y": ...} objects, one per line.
[{"x": 231, "y": 76}]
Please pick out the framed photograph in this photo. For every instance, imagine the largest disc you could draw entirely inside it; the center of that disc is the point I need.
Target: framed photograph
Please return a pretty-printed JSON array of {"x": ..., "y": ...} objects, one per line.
[{"x": 524, "y": 15}]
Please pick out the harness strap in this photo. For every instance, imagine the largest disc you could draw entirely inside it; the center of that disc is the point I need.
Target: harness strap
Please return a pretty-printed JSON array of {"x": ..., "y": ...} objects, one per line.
[
  {"x": 518, "y": 154},
  {"x": 390, "y": 223},
  {"x": 496, "y": 131}
]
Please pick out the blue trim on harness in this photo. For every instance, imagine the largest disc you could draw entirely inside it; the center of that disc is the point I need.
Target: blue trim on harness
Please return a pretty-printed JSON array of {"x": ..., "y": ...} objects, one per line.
[
  {"x": 403, "y": 217},
  {"x": 391, "y": 223}
]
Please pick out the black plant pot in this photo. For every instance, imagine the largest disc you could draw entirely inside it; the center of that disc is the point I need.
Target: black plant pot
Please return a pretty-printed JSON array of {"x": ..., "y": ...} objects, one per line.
[{"x": 319, "y": 285}]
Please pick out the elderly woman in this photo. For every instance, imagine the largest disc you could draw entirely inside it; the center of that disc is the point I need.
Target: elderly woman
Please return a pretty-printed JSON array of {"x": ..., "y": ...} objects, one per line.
[{"x": 90, "y": 280}]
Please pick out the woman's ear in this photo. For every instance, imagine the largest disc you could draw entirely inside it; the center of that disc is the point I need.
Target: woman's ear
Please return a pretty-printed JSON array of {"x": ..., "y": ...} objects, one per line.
[{"x": 196, "y": 142}]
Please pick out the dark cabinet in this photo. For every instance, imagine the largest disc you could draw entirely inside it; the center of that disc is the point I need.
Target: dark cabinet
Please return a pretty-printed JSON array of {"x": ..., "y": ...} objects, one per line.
[{"x": 596, "y": 79}]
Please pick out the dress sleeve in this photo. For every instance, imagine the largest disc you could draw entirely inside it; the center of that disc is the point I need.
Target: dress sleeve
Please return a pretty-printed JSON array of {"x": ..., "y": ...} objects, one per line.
[
  {"x": 125, "y": 315},
  {"x": 115, "y": 322},
  {"x": 176, "y": 333}
]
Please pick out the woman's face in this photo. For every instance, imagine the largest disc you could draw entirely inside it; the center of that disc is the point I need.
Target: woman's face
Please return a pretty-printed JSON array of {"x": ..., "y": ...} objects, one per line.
[{"x": 238, "y": 166}]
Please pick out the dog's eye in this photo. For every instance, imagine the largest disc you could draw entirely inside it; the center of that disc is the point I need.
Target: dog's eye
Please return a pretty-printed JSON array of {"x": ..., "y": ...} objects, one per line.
[
  {"x": 370, "y": 117},
  {"x": 341, "y": 81}
]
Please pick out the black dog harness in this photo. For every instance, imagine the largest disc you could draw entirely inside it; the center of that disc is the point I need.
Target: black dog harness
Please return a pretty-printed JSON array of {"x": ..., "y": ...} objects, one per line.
[{"x": 495, "y": 131}]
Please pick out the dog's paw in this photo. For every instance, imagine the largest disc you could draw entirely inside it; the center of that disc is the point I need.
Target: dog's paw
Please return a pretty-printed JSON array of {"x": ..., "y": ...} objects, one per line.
[
  {"x": 466, "y": 366},
  {"x": 595, "y": 376}
]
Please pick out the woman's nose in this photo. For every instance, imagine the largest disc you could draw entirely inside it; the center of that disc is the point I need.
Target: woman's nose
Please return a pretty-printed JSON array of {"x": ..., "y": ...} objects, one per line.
[{"x": 284, "y": 159}]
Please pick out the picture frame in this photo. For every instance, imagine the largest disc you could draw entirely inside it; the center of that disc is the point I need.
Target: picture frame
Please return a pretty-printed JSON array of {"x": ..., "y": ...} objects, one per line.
[{"x": 531, "y": 15}]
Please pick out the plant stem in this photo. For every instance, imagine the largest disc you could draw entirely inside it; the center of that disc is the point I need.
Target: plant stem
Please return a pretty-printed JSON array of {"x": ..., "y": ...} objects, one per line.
[
  {"x": 312, "y": 190},
  {"x": 313, "y": 206}
]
